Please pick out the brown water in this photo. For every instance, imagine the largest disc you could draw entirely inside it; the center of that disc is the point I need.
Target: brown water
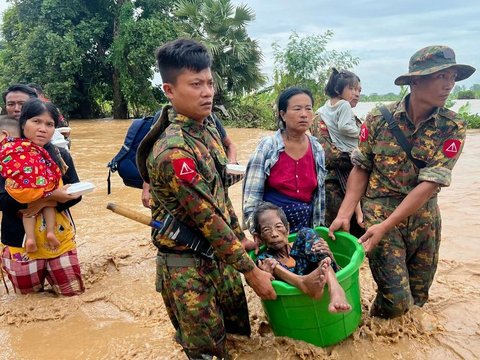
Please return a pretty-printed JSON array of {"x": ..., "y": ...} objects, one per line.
[{"x": 120, "y": 316}]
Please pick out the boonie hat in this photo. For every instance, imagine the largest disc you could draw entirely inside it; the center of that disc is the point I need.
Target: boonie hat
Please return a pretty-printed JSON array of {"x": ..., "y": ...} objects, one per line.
[{"x": 431, "y": 59}]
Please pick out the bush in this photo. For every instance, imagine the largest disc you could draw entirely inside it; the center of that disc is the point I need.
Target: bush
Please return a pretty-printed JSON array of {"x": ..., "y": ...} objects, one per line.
[
  {"x": 466, "y": 94},
  {"x": 253, "y": 111},
  {"x": 473, "y": 120}
]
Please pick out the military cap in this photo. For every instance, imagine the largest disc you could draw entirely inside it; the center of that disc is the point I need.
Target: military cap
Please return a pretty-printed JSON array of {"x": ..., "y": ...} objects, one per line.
[{"x": 431, "y": 59}]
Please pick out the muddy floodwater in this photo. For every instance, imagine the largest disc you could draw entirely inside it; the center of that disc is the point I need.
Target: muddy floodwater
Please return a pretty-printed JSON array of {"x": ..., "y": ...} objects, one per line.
[{"x": 120, "y": 316}]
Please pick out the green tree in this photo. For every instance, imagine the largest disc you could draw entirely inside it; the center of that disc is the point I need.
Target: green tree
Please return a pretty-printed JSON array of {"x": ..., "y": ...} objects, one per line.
[
  {"x": 222, "y": 28},
  {"x": 466, "y": 94},
  {"x": 306, "y": 61},
  {"x": 141, "y": 27},
  {"x": 86, "y": 53},
  {"x": 374, "y": 97}
]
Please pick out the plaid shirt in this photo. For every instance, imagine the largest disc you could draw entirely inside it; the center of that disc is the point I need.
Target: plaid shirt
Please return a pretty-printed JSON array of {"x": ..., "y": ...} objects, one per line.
[{"x": 258, "y": 169}]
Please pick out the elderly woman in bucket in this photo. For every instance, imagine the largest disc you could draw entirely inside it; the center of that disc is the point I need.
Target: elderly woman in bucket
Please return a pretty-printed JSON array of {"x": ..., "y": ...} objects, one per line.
[
  {"x": 406, "y": 154},
  {"x": 287, "y": 168},
  {"x": 307, "y": 265}
]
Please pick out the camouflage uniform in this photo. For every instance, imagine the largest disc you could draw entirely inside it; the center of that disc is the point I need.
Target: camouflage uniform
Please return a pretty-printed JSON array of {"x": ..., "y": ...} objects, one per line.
[
  {"x": 404, "y": 262},
  {"x": 334, "y": 158},
  {"x": 204, "y": 300}
]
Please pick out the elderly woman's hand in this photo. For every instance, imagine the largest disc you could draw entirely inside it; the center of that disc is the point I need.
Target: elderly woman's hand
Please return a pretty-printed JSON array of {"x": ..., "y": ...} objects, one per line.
[
  {"x": 321, "y": 247},
  {"x": 268, "y": 265}
]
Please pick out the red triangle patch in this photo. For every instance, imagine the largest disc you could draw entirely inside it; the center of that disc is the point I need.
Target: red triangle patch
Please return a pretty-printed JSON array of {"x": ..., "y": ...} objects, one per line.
[
  {"x": 184, "y": 169},
  {"x": 363, "y": 133},
  {"x": 451, "y": 147}
]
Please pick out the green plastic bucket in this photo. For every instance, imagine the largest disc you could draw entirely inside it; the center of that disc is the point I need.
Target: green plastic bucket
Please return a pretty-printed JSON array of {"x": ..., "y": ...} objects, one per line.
[{"x": 298, "y": 316}]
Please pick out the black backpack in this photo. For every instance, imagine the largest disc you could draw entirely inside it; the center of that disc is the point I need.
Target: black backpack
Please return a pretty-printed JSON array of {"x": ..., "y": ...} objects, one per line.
[{"x": 124, "y": 162}]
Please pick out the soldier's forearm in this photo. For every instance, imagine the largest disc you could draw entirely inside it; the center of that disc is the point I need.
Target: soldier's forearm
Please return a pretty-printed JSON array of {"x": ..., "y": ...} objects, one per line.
[{"x": 356, "y": 186}]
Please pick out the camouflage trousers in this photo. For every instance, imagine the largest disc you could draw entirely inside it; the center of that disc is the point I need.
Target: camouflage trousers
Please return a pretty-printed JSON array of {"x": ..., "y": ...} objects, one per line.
[
  {"x": 404, "y": 262},
  {"x": 204, "y": 302},
  {"x": 333, "y": 199}
]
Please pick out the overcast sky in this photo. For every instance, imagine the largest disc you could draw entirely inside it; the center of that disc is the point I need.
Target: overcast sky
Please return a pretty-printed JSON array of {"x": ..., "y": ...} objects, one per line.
[{"x": 382, "y": 34}]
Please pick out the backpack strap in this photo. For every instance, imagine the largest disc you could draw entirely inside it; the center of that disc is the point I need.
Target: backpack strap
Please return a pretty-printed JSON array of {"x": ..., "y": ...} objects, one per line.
[
  {"x": 400, "y": 137},
  {"x": 156, "y": 116}
]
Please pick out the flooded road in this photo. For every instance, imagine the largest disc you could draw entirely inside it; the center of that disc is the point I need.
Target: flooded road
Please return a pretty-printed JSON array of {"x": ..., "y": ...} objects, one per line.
[{"x": 120, "y": 316}]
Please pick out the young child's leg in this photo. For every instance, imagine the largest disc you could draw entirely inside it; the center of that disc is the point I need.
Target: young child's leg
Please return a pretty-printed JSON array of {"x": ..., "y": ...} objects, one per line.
[
  {"x": 29, "y": 226},
  {"x": 50, "y": 220},
  {"x": 338, "y": 300},
  {"x": 311, "y": 284}
]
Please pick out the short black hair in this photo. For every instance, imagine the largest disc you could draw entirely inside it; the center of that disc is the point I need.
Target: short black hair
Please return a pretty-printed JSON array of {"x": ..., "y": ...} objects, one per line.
[
  {"x": 19, "y": 88},
  {"x": 338, "y": 81},
  {"x": 284, "y": 97},
  {"x": 10, "y": 124},
  {"x": 35, "y": 107},
  {"x": 261, "y": 208},
  {"x": 38, "y": 89},
  {"x": 178, "y": 55}
]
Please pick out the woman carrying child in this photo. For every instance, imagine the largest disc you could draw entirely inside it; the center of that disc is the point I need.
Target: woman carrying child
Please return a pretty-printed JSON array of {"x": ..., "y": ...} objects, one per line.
[
  {"x": 59, "y": 266},
  {"x": 30, "y": 174}
]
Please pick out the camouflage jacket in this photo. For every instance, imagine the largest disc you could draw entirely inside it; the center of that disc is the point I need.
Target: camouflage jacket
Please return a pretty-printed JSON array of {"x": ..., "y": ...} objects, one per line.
[
  {"x": 438, "y": 141},
  {"x": 334, "y": 157},
  {"x": 186, "y": 166}
]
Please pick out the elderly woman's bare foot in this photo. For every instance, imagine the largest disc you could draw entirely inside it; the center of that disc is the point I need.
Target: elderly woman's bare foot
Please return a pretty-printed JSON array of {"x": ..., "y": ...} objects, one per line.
[
  {"x": 338, "y": 301},
  {"x": 313, "y": 284}
]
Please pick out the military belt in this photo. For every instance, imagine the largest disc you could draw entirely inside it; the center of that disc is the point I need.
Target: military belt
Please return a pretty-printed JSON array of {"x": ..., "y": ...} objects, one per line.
[{"x": 181, "y": 260}]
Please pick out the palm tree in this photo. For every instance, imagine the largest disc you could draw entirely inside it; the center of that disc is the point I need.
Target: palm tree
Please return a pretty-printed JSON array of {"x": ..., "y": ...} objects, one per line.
[{"x": 221, "y": 27}]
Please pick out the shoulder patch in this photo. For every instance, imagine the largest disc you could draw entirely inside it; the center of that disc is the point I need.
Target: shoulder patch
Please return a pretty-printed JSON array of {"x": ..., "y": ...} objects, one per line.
[
  {"x": 451, "y": 147},
  {"x": 363, "y": 133},
  {"x": 184, "y": 169}
]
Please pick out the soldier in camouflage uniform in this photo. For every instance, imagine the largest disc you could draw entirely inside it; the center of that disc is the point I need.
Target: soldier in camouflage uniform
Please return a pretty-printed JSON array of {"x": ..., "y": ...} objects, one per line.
[
  {"x": 184, "y": 162},
  {"x": 400, "y": 199},
  {"x": 334, "y": 159}
]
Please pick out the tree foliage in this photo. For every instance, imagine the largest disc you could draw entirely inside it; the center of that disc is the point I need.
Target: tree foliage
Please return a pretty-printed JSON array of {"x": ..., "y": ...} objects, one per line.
[
  {"x": 86, "y": 53},
  {"x": 306, "y": 61},
  {"x": 466, "y": 94},
  {"x": 222, "y": 28},
  {"x": 374, "y": 97},
  {"x": 461, "y": 92}
]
